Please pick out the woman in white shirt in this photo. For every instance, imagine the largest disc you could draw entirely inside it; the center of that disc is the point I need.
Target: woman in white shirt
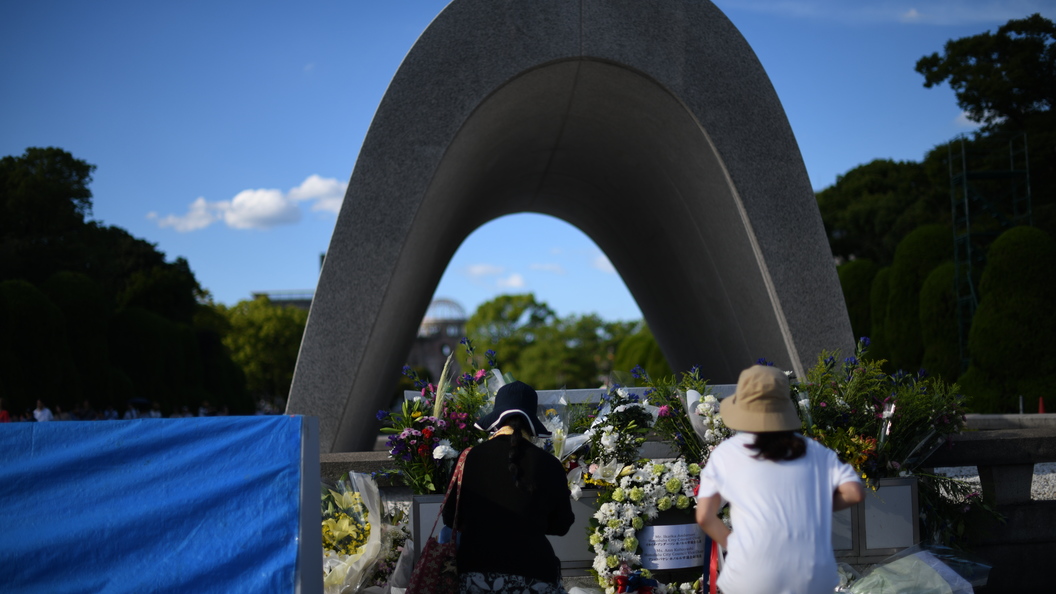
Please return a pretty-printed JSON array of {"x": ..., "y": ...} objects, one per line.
[{"x": 782, "y": 489}]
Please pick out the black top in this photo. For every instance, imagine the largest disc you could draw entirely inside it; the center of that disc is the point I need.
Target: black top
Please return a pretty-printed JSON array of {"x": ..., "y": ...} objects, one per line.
[{"x": 503, "y": 528}]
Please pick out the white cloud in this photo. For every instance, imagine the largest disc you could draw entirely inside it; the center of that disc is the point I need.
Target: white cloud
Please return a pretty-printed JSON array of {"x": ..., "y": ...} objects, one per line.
[
  {"x": 548, "y": 267},
  {"x": 200, "y": 215},
  {"x": 327, "y": 192},
  {"x": 910, "y": 16},
  {"x": 259, "y": 209},
  {"x": 514, "y": 281},
  {"x": 479, "y": 270},
  {"x": 926, "y": 12},
  {"x": 600, "y": 262}
]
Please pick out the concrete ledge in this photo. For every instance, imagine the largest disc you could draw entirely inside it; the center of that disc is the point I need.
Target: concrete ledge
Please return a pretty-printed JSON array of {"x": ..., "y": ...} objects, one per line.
[
  {"x": 1001, "y": 447},
  {"x": 333, "y": 466},
  {"x": 1024, "y": 421}
]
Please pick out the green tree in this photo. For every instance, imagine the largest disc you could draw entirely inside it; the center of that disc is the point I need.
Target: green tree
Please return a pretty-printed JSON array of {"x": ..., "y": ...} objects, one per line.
[
  {"x": 573, "y": 352},
  {"x": 35, "y": 357},
  {"x": 87, "y": 314},
  {"x": 1010, "y": 343},
  {"x": 917, "y": 255},
  {"x": 999, "y": 77},
  {"x": 509, "y": 324},
  {"x": 938, "y": 324},
  {"x": 44, "y": 199},
  {"x": 878, "y": 298},
  {"x": 264, "y": 340},
  {"x": 642, "y": 349},
  {"x": 856, "y": 281},
  {"x": 872, "y": 207}
]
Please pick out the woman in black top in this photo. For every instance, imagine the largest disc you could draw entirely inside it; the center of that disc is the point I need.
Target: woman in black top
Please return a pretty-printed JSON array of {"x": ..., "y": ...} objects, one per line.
[{"x": 513, "y": 495}]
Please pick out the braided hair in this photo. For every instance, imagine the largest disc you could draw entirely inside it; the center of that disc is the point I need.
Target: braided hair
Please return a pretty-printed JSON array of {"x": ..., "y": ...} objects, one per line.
[
  {"x": 778, "y": 446},
  {"x": 520, "y": 425}
]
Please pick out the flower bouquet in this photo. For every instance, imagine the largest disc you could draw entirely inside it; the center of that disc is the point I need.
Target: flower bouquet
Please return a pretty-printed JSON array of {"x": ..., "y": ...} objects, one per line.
[
  {"x": 887, "y": 425},
  {"x": 882, "y": 425},
  {"x": 429, "y": 431},
  {"x": 351, "y": 542},
  {"x": 395, "y": 531},
  {"x": 560, "y": 419},
  {"x": 641, "y": 492},
  {"x": 687, "y": 414}
]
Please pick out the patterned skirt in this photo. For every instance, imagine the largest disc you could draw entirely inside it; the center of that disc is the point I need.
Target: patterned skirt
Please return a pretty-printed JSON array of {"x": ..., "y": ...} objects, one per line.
[{"x": 490, "y": 582}]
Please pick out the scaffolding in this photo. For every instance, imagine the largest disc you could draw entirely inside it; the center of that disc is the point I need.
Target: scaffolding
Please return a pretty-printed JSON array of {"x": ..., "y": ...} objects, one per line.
[{"x": 989, "y": 193}]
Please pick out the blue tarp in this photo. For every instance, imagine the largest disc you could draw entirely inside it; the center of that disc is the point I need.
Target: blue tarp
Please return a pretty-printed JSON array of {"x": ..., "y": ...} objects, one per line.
[{"x": 151, "y": 505}]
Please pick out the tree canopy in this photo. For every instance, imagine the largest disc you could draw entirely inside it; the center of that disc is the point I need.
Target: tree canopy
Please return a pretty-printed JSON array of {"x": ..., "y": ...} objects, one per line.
[
  {"x": 112, "y": 318},
  {"x": 999, "y": 77}
]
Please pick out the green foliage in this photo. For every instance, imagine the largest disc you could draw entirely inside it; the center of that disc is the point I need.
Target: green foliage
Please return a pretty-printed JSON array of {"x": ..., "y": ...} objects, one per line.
[
  {"x": 1003, "y": 76},
  {"x": 87, "y": 314},
  {"x": 917, "y": 255},
  {"x": 878, "y": 296},
  {"x": 113, "y": 318},
  {"x": 169, "y": 290},
  {"x": 641, "y": 349},
  {"x": 543, "y": 350},
  {"x": 264, "y": 341},
  {"x": 881, "y": 424},
  {"x": 35, "y": 360},
  {"x": 872, "y": 207},
  {"x": 938, "y": 324},
  {"x": 1011, "y": 337},
  {"x": 510, "y": 323},
  {"x": 44, "y": 199},
  {"x": 856, "y": 280}
]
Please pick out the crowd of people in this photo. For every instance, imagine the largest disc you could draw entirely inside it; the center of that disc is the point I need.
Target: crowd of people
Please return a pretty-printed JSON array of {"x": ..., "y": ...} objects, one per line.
[{"x": 134, "y": 409}]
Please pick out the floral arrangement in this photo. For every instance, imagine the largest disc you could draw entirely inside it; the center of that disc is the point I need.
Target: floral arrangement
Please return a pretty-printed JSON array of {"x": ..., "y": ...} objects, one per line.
[
  {"x": 394, "y": 534},
  {"x": 351, "y": 542},
  {"x": 882, "y": 425},
  {"x": 631, "y": 491},
  {"x": 687, "y": 414},
  {"x": 886, "y": 425},
  {"x": 620, "y": 428},
  {"x": 641, "y": 493},
  {"x": 428, "y": 432}
]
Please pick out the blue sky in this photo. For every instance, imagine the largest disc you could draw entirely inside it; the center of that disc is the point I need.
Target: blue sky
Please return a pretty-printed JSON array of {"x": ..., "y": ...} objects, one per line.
[{"x": 225, "y": 131}]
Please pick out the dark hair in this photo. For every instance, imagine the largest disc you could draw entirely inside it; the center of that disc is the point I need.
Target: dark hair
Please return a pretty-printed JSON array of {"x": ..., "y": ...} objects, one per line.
[
  {"x": 778, "y": 446},
  {"x": 520, "y": 425}
]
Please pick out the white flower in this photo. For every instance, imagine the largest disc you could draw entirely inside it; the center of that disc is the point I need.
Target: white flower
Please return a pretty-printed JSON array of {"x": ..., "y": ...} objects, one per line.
[
  {"x": 444, "y": 450},
  {"x": 804, "y": 404}
]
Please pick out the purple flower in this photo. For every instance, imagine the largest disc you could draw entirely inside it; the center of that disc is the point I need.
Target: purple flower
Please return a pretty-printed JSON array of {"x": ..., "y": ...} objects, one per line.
[{"x": 382, "y": 414}]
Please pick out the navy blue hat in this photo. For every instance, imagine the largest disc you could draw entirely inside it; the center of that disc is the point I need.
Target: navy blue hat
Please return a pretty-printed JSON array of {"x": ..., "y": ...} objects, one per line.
[{"x": 517, "y": 398}]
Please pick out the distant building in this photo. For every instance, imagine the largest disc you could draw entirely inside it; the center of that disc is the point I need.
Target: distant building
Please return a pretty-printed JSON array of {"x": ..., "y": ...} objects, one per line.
[
  {"x": 439, "y": 335},
  {"x": 299, "y": 299}
]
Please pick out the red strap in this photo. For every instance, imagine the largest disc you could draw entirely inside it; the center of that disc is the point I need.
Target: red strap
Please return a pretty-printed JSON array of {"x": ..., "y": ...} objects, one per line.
[
  {"x": 456, "y": 479},
  {"x": 713, "y": 569}
]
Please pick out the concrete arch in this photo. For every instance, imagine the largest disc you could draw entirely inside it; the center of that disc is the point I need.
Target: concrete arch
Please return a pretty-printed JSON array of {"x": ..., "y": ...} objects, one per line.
[{"x": 651, "y": 127}]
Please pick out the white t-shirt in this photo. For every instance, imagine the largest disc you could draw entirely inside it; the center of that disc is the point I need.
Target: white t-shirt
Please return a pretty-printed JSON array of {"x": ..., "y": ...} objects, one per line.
[{"x": 781, "y": 514}]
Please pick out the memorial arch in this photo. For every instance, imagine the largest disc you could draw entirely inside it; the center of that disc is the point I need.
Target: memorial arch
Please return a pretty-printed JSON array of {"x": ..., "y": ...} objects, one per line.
[{"x": 651, "y": 127}]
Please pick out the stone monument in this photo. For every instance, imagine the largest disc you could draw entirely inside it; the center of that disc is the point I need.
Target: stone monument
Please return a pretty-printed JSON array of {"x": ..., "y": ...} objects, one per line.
[{"x": 650, "y": 126}]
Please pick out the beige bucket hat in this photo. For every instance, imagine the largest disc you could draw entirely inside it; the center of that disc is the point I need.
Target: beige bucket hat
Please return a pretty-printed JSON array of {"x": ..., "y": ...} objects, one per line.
[{"x": 761, "y": 402}]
